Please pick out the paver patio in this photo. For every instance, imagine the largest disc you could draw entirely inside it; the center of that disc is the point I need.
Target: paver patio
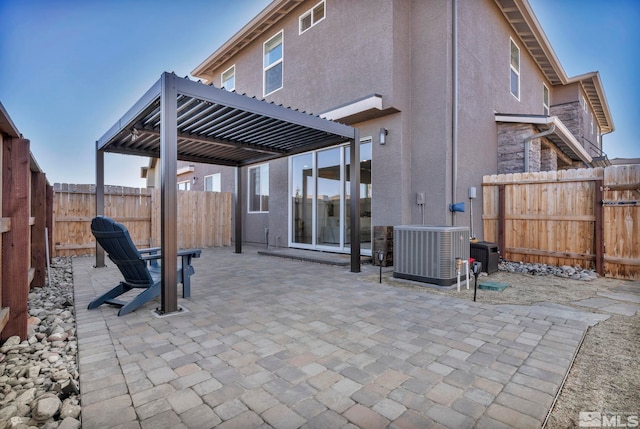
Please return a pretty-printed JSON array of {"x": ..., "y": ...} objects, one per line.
[{"x": 271, "y": 342}]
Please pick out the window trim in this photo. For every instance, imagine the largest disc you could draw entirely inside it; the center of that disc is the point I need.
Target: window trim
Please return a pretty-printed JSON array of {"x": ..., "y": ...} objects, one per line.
[
  {"x": 513, "y": 69},
  {"x": 546, "y": 100},
  {"x": 188, "y": 185},
  {"x": 234, "y": 78},
  {"x": 313, "y": 21},
  {"x": 249, "y": 194},
  {"x": 272, "y": 65},
  {"x": 212, "y": 175}
]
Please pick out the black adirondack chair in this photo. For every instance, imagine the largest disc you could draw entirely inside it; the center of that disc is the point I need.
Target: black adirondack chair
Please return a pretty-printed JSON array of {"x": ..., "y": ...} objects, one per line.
[{"x": 139, "y": 268}]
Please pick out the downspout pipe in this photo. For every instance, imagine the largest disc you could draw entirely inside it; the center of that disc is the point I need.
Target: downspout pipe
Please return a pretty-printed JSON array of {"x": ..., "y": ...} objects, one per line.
[
  {"x": 454, "y": 109},
  {"x": 527, "y": 144}
]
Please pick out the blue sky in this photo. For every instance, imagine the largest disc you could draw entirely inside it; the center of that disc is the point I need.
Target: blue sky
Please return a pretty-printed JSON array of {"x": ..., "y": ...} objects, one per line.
[{"x": 70, "y": 68}]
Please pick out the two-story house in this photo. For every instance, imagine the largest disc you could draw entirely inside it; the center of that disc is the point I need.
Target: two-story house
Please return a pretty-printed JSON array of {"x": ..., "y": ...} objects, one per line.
[{"x": 443, "y": 92}]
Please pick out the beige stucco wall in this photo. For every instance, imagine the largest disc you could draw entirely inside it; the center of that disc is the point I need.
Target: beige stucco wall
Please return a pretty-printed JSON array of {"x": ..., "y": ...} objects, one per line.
[{"x": 402, "y": 50}]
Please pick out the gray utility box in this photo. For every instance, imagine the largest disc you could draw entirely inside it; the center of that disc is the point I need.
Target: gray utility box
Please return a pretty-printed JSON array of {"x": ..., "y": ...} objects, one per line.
[
  {"x": 487, "y": 253},
  {"x": 428, "y": 253}
]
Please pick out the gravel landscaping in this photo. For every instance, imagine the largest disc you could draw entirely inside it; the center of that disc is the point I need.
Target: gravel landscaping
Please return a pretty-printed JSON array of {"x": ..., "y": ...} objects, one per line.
[{"x": 39, "y": 376}]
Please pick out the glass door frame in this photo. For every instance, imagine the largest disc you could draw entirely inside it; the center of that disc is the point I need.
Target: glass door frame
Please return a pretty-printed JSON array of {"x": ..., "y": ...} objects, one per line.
[{"x": 343, "y": 247}]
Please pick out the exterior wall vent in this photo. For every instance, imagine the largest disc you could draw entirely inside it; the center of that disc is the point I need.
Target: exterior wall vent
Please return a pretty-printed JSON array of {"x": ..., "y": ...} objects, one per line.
[{"x": 428, "y": 253}]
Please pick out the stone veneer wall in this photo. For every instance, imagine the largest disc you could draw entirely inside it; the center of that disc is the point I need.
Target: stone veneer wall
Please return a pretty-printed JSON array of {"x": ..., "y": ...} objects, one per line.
[
  {"x": 511, "y": 146},
  {"x": 572, "y": 117},
  {"x": 548, "y": 160}
]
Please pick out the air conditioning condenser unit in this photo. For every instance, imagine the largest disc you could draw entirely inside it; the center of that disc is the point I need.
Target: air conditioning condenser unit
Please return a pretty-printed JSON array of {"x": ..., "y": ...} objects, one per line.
[{"x": 428, "y": 253}]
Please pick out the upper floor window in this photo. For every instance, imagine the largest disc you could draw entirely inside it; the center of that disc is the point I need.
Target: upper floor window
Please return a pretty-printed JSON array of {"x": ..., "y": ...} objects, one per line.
[
  {"x": 259, "y": 188},
  {"x": 545, "y": 99},
  {"x": 212, "y": 183},
  {"x": 273, "y": 64},
  {"x": 515, "y": 70},
  {"x": 229, "y": 78},
  {"x": 312, "y": 16}
]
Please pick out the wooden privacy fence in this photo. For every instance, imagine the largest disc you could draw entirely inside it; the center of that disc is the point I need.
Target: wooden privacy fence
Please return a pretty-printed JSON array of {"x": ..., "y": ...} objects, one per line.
[
  {"x": 587, "y": 217},
  {"x": 25, "y": 218},
  {"x": 204, "y": 218}
]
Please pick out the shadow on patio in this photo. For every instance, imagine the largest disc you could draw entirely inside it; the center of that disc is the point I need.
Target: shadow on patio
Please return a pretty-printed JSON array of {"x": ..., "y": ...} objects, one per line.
[{"x": 273, "y": 342}]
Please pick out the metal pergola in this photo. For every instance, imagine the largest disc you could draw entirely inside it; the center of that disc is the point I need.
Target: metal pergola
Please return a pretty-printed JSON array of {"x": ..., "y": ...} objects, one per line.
[{"x": 179, "y": 119}]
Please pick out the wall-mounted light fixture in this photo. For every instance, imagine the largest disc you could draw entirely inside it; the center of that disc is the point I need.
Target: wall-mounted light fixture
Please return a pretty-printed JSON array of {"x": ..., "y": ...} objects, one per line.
[
  {"x": 383, "y": 135},
  {"x": 194, "y": 180}
]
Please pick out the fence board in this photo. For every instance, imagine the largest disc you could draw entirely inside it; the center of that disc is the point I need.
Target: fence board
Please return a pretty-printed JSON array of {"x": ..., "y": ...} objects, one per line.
[
  {"x": 203, "y": 217},
  {"x": 550, "y": 217}
]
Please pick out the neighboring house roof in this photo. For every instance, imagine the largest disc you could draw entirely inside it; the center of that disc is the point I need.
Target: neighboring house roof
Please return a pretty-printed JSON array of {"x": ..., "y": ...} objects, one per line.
[
  {"x": 524, "y": 22},
  {"x": 517, "y": 12},
  {"x": 625, "y": 161}
]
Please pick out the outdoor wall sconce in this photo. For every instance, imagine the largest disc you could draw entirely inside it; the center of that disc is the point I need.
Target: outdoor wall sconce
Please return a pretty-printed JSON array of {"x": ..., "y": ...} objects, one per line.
[
  {"x": 383, "y": 135},
  {"x": 194, "y": 180}
]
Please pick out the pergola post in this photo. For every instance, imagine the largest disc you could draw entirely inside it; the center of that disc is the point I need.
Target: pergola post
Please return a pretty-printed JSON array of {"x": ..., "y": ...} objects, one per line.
[
  {"x": 354, "y": 178},
  {"x": 99, "y": 200},
  {"x": 238, "y": 202},
  {"x": 169, "y": 192}
]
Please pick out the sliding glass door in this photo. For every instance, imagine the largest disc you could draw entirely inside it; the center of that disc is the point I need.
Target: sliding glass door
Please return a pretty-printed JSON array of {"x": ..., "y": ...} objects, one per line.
[
  {"x": 319, "y": 199},
  {"x": 302, "y": 194},
  {"x": 365, "y": 198},
  {"x": 329, "y": 197}
]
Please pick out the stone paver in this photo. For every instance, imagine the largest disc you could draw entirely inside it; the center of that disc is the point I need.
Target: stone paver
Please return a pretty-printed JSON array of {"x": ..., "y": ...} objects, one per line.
[{"x": 269, "y": 342}]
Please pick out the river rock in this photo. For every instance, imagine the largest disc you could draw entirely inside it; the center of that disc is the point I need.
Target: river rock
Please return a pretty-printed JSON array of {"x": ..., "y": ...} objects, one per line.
[
  {"x": 8, "y": 411},
  {"x": 565, "y": 271},
  {"x": 46, "y": 407},
  {"x": 37, "y": 374},
  {"x": 69, "y": 423},
  {"x": 70, "y": 408},
  {"x": 27, "y": 396}
]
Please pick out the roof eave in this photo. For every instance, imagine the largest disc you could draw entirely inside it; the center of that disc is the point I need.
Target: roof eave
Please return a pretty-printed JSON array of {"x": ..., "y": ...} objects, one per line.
[
  {"x": 560, "y": 130},
  {"x": 605, "y": 121},
  {"x": 517, "y": 12},
  {"x": 269, "y": 16}
]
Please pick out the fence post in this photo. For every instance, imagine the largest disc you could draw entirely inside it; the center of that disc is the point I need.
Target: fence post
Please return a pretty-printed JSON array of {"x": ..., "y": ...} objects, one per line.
[
  {"x": 15, "y": 243},
  {"x": 49, "y": 222},
  {"x": 598, "y": 211},
  {"x": 39, "y": 212},
  {"x": 501, "y": 219}
]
